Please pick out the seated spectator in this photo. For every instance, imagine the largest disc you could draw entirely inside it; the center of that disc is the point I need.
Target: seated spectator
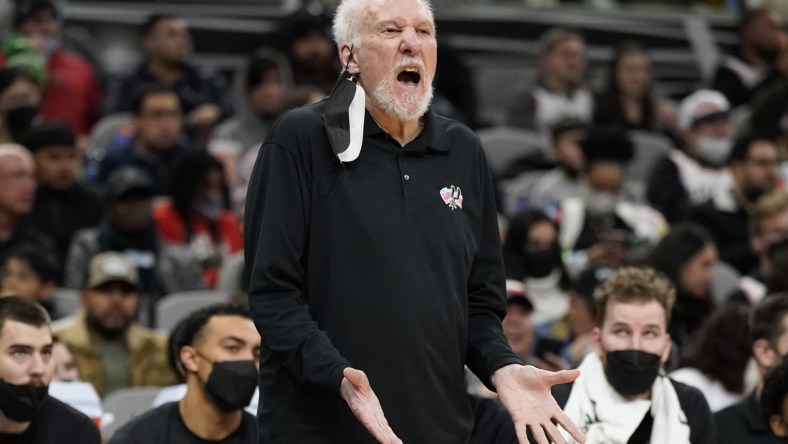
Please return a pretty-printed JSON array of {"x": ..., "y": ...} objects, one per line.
[
  {"x": 753, "y": 163},
  {"x": 518, "y": 326},
  {"x": 604, "y": 226},
  {"x": 157, "y": 139},
  {"x": 686, "y": 255},
  {"x": 267, "y": 78},
  {"x": 197, "y": 214},
  {"x": 166, "y": 49},
  {"x": 20, "y": 97},
  {"x": 311, "y": 50},
  {"x": 63, "y": 205},
  {"x": 111, "y": 350},
  {"x": 17, "y": 194},
  {"x": 582, "y": 317},
  {"x": 559, "y": 93},
  {"x": 774, "y": 400},
  {"x": 768, "y": 227},
  {"x": 27, "y": 413},
  {"x": 744, "y": 421},
  {"x": 219, "y": 352},
  {"x": 32, "y": 274},
  {"x": 629, "y": 102},
  {"x": 71, "y": 91},
  {"x": 66, "y": 369},
  {"x": 623, "y": 395},
  {"x": 689, "y": 177},
  {"x": 538, "y": 181},
  {"x": 532, "y": 256},
  {"x": 740, "y": 74},
  {"x": 717, "y": 357},
  {"x": 128, "y": 227}
]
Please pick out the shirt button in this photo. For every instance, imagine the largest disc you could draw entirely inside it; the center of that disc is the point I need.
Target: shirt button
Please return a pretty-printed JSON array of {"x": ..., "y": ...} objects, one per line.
[{"x": 407, "y": 177}]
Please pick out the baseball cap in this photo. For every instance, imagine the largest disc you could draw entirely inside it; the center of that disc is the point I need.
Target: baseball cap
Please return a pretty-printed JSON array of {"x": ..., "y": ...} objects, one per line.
[
  {"x": 125, "y": 180},
  {"x": 52, "y": 133},
  {"x": 515, "y": 294},
  {"x": 701, "y": 106},
  {"x": 112, "y": 266}
]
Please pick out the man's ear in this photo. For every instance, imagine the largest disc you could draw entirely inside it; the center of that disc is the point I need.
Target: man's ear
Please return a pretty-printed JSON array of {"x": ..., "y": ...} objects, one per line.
[
  {"x": 189, "y": 358},
  {"x": 347, "y": 56},
  {"x": 763, "y": 353},
  {"x": 596, "y": 341},
  {"x": 777, "y": 426}
]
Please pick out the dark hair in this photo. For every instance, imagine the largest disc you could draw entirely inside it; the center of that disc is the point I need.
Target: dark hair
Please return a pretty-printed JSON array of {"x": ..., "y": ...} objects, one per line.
[
  {"x": 190, "y": 329},
  {"x": 517, "y": 236},
  {"x": 566, "y": 125},
  {"x": 10, "y": 75},
  {"x": 146, "y": 90},
  {"x": 775, "y": 389},
  {"x": 43, "y": 265},
  {"x": 767, "y": 318},
  {"x": 612, "y": 95},
  {"x": 776, "y": 279},
  {"x": 188, "y": 171},
  {"x": 721, "y": 348},
  {"x": 680, "y": 245},
  {"x": 26, "y": 9},
  {"x": 607, "y": 144},
  {"x": 260, "y": 64},
  {"x": 743, "y": 145},
  {"x": 51, "y": 133},
  {"x": 152, "y": 21},
  {"x": 22, "y": 310}
]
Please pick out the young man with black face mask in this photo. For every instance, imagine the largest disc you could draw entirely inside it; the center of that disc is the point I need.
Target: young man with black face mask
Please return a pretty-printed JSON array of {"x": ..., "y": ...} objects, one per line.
[
  {"x": 28, "y": 415},
  {"x": 623, "y": 395},
  {"x": 219, "y": 351},
  {"x": 744, "y": 421}
]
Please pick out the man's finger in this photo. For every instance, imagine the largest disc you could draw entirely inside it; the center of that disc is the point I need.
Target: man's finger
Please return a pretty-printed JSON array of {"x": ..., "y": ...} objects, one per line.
[
  {"x": 538, "y": 434},
  {"x": 562, "y": 377},
  {"x": 553, "y": 433},
  {"x": 570, "y": 426}
]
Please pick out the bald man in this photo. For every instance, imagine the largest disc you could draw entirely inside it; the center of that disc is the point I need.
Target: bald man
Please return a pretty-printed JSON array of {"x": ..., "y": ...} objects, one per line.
[{"x": 17, "y": 192}]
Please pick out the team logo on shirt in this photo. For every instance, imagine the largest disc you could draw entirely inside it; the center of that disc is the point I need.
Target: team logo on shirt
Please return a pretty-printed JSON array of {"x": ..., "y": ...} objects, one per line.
[{"x": 452, "y": 196}]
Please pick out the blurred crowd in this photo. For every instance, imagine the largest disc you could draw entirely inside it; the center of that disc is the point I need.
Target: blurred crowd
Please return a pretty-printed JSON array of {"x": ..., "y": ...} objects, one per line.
[{"x": 128, "y": 194}]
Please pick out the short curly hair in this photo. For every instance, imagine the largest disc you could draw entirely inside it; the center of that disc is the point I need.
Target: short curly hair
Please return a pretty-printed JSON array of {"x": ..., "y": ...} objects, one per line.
[{"x": 635, "y": 284}]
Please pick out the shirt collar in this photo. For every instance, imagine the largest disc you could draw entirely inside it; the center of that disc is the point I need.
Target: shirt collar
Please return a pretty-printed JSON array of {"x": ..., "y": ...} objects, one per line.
[{"x": 428, "y": 138}]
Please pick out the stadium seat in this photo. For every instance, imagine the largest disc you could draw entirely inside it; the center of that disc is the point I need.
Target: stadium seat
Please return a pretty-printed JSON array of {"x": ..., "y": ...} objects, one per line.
[
  {"x": 724, "y": 282},
  {"x": 125, "y": 404},
  {"x": 173, "y": 307},
  {"x": 231, "y": 274},
  {"x": 66, "y": 300},
  {"x": 503, "y": 145}
]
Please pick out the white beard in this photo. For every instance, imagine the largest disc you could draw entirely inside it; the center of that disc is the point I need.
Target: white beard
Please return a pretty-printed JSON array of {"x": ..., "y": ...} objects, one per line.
[{"x": 408, "y": 106}]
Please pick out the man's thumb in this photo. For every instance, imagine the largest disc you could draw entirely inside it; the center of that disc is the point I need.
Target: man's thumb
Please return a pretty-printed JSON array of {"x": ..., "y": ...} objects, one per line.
[{"x": 355, "y": 377}]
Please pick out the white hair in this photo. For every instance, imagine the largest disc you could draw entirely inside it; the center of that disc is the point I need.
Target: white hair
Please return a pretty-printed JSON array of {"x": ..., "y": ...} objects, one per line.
[{"x": 348, "y": 19}]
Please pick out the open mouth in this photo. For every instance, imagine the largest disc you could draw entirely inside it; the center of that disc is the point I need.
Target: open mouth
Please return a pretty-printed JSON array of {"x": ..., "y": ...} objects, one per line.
[{"x": 409, "y": 77}]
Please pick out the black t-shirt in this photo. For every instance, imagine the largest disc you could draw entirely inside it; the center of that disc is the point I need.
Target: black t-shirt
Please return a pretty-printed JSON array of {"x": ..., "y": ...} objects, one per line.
[
  {"x": 56, "y": 423},
  {"x": 164, "y": 425}
]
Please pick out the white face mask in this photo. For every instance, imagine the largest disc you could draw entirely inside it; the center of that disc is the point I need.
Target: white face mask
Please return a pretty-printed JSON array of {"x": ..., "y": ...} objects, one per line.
[
  {"x": 601, "y": 202},
  {"x": 714, "y": 150}
]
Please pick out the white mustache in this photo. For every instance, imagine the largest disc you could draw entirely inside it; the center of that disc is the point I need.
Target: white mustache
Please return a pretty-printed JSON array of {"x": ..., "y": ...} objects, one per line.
[{"x": 410, "y": 61}]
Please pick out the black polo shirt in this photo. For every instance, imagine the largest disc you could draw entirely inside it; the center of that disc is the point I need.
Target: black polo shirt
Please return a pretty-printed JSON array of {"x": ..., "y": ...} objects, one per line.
[{"x": 378, "y": 263}]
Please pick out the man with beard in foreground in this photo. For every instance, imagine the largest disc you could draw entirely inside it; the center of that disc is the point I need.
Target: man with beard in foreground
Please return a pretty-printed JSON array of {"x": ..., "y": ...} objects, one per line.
[{"x": 374, "y": 260}]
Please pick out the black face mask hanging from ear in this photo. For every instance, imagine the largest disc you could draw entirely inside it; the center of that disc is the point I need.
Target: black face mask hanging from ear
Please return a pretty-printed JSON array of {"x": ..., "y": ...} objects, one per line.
[{"x": 344, "y": 116}]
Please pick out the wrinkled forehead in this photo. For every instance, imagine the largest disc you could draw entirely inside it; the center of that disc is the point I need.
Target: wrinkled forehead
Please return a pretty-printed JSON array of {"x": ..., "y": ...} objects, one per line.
[
  {"x": 396, "y": 10},
  {"x": 636, "y": 313}
]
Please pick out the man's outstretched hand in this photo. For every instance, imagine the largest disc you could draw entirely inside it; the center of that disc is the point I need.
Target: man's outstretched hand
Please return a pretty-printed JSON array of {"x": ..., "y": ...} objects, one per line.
[
  {"x": 363, "y": 402},
  {"x": 525, "y": 392}
]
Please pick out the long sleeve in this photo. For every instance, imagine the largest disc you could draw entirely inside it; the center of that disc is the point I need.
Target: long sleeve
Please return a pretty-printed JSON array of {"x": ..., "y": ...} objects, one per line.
[
  {"x": 277, "y": 220},
  {"x": 488, "y": 349},
  {"x": 666, "y": 192}
]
